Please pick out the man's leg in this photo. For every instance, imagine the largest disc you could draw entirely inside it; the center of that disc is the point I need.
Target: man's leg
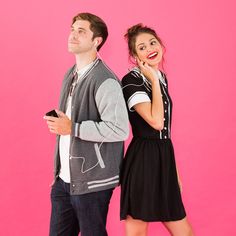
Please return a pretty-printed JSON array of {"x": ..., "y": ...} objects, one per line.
[
  {"x": 63, "y": 218},
  {"x": 92, "y": 209}
]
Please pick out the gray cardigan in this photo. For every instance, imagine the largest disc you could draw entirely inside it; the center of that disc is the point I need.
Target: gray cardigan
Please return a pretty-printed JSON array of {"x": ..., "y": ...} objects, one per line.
[{"x": 99, "y": 127}]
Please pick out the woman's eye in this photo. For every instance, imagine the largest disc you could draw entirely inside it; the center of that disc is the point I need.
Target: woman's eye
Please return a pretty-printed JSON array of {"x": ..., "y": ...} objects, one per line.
[
  {"x": 153, "y": 42},
  {"x": 142, "y": 48}
]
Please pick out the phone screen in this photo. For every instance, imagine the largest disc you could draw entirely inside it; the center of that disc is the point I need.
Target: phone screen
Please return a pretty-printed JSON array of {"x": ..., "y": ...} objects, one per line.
[{"x": 52, "y": 113}]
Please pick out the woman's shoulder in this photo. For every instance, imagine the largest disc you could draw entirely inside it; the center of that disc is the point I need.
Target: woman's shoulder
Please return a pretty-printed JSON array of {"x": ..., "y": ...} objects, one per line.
[{"x": 133, "y": 76}]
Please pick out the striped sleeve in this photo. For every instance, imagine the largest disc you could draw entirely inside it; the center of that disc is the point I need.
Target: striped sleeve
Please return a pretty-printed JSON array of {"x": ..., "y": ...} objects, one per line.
[
  {"x": 114, "y": 124},
  {"x": 134, "y": 89}
]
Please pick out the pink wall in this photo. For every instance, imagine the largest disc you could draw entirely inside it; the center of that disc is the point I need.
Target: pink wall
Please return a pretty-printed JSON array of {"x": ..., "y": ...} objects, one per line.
[{"x": 200, "y": 38}]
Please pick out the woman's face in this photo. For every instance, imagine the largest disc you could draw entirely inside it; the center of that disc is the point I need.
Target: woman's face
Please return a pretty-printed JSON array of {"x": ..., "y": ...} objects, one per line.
[{"x": 148, "y": 49}]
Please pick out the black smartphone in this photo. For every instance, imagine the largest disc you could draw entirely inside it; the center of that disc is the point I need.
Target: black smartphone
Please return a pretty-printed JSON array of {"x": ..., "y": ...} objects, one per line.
[{"x": 52, "y": 113}]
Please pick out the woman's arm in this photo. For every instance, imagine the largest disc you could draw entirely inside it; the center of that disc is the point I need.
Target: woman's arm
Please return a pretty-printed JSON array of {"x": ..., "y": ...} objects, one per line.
[{"x": 152, "y": 112}]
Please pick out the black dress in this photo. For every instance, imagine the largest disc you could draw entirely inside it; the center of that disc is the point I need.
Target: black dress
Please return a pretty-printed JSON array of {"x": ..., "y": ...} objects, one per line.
[{"x": 149, "y": 183}]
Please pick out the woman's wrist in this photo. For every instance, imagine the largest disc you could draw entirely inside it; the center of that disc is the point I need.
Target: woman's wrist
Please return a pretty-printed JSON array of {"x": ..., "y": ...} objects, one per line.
[{"x": 155, "y": 81}]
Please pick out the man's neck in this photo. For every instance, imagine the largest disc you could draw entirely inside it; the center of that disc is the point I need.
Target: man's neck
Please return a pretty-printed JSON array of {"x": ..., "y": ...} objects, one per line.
[{"x": 83, "y": 60}]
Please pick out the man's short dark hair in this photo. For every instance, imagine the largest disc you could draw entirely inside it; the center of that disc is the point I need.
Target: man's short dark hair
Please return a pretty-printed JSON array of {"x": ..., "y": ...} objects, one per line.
[{"x": 97, "y": 26}]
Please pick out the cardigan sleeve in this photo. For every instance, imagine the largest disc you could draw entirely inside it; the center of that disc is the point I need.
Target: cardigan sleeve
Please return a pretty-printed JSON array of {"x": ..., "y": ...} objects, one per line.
[{"x": 114, "y": 124}]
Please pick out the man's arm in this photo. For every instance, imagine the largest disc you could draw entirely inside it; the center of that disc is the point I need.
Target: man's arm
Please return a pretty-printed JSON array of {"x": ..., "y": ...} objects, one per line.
[{"x": 114, "y": 124}]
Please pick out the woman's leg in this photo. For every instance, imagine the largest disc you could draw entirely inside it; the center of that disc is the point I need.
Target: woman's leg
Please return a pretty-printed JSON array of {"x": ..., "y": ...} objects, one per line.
[
  {"x": 179, "y": 227},
  {"x": 135, "y": 227}
]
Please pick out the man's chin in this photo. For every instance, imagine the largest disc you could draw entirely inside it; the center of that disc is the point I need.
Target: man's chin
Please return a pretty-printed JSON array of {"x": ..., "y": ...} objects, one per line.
[{"x": 72, "y": 50}]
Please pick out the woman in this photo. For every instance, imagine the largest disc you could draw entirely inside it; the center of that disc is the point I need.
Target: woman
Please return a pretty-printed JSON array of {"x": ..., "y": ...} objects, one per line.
[{"x": 150, "y": 189}]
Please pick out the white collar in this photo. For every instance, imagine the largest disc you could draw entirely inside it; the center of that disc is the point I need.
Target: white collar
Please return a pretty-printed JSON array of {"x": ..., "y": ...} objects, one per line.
[
  {"x": 85, "y": 68},
  {"x": 161, "y": 77}
]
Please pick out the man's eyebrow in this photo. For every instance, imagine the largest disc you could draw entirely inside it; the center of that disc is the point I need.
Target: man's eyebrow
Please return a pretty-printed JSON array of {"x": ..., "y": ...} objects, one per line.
[{"x": 79, "y": 28}]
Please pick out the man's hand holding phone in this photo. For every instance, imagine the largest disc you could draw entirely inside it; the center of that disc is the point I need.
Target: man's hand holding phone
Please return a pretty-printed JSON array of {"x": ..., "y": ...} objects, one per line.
[{"x": 58, "y": 122}]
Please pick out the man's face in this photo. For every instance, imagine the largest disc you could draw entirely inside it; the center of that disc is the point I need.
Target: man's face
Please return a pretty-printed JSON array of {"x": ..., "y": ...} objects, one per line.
[{"x": 80, "y": 38}]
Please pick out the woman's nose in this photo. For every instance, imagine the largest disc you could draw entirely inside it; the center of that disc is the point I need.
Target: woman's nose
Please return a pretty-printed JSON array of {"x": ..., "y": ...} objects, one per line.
[{"x": 149, "y": 49}]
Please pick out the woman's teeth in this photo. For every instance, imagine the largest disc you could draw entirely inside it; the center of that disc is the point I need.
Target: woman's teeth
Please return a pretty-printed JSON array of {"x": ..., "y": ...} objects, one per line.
[{"x": 152, "y": 55}]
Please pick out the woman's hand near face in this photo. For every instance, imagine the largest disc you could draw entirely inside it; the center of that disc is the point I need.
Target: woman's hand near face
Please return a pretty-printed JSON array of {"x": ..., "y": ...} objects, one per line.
[{"x": 147, "y": 71}]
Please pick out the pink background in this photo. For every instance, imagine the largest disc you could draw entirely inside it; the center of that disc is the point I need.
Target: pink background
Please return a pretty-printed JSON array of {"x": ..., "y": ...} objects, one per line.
[{"x": 200, "y": 38}]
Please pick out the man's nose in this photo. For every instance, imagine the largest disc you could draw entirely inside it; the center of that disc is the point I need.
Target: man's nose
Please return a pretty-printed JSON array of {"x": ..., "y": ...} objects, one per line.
[{"x": 74, "y": 35}]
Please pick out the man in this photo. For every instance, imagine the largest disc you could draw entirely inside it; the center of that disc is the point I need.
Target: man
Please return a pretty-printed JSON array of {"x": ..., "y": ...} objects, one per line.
[{"x": 91, "y": 128}]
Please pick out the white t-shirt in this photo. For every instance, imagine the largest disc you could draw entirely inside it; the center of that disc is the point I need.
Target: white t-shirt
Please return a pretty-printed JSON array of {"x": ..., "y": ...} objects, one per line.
[{"x": 64, "y": 144}]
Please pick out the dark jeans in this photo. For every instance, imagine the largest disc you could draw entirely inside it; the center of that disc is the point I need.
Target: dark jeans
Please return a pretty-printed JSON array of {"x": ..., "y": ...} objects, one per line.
[{"x": 85, "y": 213}]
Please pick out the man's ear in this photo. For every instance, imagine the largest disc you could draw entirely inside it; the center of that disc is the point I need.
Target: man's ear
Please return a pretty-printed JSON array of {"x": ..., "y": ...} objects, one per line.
[{"x": 97, "y": 41}]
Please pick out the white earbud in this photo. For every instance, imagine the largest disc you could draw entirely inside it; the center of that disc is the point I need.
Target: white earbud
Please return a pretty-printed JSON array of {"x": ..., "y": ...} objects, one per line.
[{"x": 96, "y": 43}]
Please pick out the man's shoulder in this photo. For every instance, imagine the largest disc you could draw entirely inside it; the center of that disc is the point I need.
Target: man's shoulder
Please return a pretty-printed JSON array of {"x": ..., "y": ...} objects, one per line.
[
  {"x": 69, "y": 71},
  {"x": 102, "y": 72}
]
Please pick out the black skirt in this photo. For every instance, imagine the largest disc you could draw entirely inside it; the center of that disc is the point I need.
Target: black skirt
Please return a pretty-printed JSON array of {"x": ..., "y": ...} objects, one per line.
[{"x": 149, "y": 183}]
